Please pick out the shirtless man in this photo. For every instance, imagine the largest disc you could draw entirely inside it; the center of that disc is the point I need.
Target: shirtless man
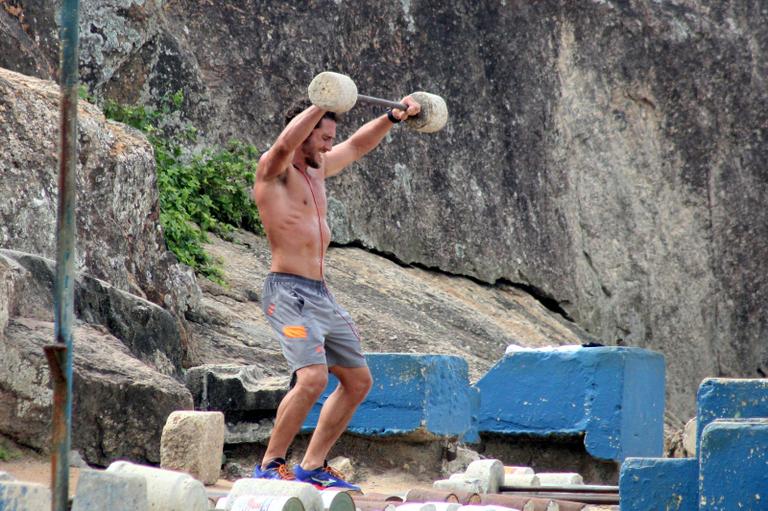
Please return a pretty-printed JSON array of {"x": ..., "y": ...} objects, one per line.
[{"x": 317, "y": 335}]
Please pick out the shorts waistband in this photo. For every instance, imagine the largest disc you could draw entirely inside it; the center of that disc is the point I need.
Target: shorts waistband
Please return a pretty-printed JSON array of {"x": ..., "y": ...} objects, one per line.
[{"x": 289, "y": 278}]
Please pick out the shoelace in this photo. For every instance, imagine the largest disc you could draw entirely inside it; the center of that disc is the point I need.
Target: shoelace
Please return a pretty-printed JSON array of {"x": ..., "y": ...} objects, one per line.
[
  {"x": 334, "y": 473},
  {"x": 285, "y": 473}
]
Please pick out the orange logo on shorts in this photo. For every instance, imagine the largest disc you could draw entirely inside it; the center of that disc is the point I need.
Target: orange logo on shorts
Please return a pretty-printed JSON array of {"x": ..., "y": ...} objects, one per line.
[
  {"x": 295, "y": 332},
  {"x": 271, "y": 309}
]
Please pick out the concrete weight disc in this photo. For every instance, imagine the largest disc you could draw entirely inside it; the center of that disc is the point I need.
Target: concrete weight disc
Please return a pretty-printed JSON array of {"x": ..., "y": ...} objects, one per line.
[
  {"x": 333, "y": 91},
  {"x": 433, "y": 115}
]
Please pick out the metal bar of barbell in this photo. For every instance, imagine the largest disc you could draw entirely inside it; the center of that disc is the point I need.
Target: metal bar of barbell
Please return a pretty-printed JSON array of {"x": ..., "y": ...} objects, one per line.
[{"x": 381, "y": 102}]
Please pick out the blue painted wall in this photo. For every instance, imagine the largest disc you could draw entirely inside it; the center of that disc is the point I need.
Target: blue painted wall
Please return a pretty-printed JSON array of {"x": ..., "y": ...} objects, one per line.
[
  {"x": 657, "y": 484},
  {"x": 724, "y": 398},
  {"x": 614, "y": 395},
  {"x": 734, "y": 465},
  {"x": 411, "y": 392}
]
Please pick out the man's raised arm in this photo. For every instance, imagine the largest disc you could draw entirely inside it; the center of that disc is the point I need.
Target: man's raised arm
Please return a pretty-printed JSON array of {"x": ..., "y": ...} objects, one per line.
[
  {"x": 365, "y": 139},
  {"x": 276, "y": 160}
]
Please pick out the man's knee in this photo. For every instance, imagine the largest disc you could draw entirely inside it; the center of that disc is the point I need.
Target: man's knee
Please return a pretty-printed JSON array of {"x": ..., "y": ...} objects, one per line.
[
  {"x": 311, "y": 380},
  {"x": 359, "y": 386}
]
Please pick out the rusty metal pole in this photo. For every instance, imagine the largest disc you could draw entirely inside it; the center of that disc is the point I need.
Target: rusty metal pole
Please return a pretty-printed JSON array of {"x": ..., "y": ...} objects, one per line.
[{"x": 60, "y": 354}]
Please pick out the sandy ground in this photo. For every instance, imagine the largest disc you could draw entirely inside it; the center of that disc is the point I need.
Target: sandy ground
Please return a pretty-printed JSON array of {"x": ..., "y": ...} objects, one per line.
[{"x": 38, "y": 470}]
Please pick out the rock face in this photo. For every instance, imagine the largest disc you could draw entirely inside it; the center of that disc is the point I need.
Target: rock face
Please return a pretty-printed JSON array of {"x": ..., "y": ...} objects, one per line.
[
  {"x": 609, "y": 155},
  {"x": 120, "y": 403},
  {"x": 119, "y": 239}
]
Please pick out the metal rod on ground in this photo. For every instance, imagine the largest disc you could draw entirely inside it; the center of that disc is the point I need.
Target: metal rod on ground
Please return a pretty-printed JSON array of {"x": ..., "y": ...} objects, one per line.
[
  {"x": 60, "y": 354},
  {"x": 586, "y": 498},
  {"x": 571, "y": 488}
]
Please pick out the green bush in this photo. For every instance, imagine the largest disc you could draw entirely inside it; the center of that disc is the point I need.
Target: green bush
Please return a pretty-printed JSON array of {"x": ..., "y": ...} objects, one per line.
[{"x": 206, "y": 191}]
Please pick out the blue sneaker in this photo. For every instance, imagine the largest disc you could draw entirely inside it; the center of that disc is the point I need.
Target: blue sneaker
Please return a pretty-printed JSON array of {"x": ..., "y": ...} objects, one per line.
[
  {"x": 323, "y": 478},
  {"x": 275, "y": 469}
]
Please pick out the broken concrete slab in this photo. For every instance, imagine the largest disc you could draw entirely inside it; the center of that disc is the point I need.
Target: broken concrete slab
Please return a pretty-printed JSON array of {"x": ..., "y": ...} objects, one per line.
[
  {"x": 414, "y": 395},
  {"x": 614, "y": 396}
]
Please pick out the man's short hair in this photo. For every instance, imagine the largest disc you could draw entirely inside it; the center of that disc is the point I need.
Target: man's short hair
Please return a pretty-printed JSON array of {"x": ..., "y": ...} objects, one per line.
[{"x": 302, "y": 104}]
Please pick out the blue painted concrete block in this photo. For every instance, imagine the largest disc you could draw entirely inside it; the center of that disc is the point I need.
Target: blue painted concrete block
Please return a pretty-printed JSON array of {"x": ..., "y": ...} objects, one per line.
[
  {"x": 612, "y": 395},
  {"x": 411, "y": 394},
  {"x": 733, "y": 469},
  {"x": 726, "y": 398},
  {"x": 21, "y": 496},
  {"x": 659, "y": 484}
]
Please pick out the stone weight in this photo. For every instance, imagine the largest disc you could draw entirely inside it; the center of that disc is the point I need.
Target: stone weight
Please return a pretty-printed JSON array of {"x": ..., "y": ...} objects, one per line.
[
  {"x": 336, "y": 92},
  {"x": 433, "y": 115}
]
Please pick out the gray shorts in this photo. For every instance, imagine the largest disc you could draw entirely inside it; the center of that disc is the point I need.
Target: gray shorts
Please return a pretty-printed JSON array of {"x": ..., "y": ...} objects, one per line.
[{"x": 311, "y": 326}]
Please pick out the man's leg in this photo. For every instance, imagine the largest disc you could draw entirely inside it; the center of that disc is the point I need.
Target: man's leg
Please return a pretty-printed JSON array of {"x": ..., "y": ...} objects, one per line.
[
  {"x": 354, "y": 384},
  {"x": 294, "y": 408}
]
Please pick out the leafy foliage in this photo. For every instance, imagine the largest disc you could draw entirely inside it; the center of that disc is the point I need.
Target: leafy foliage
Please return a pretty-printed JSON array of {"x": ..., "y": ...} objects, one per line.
[{"x": 206, "y": 191}]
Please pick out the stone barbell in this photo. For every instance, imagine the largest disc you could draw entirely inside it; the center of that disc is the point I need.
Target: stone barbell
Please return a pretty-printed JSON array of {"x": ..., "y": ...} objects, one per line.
[{"x": 336, "y": 92}]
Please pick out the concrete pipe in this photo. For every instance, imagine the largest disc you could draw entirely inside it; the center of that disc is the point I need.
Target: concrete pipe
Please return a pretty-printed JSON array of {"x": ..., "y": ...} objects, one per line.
[
  {"x": 517, "y": 470},
  {"x": 490, "y": 473},
  {"x": 167, "y": 490},
  {"x": 521, "y": 481},
  {"x": 559, "y": 478},
  {"x": 266, "y": 503},
  {"x": 337, "y": 501},
  {"x": 306, "y": 493},
  {"x": 415, "y": 506}
]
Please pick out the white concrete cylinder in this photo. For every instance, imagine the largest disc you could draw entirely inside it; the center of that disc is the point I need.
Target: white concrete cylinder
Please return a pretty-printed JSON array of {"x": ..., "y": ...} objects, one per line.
[
  {"x": 459, "y": 484},
  {"x": 334, "y": 92},
  {"x": 337, "y": 501},
  {"x": 98, "y": 491},
  {"x": 20, "y": 495},
  {"x": 266, "y": 503},
  {"x": 415, "y": 506},
  {"x": 445, "y": 506},
  {"x": 500, "y": 508},
  {"x": 689, "y": 437},
  {"x": 517, "y": 470},
  {"x": 559, "y": 478},
  {"x": 490, "y": 473},
  {"x": 167, "y": 490},
  {"x": 521, "y": 480},
  {"x": 433, "y": 115},
  {"x": 306, "y": 493}
]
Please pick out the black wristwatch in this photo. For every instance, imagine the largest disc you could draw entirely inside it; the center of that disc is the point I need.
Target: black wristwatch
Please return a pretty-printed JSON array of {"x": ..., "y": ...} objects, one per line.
[{"x": 392, "y": 118}]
